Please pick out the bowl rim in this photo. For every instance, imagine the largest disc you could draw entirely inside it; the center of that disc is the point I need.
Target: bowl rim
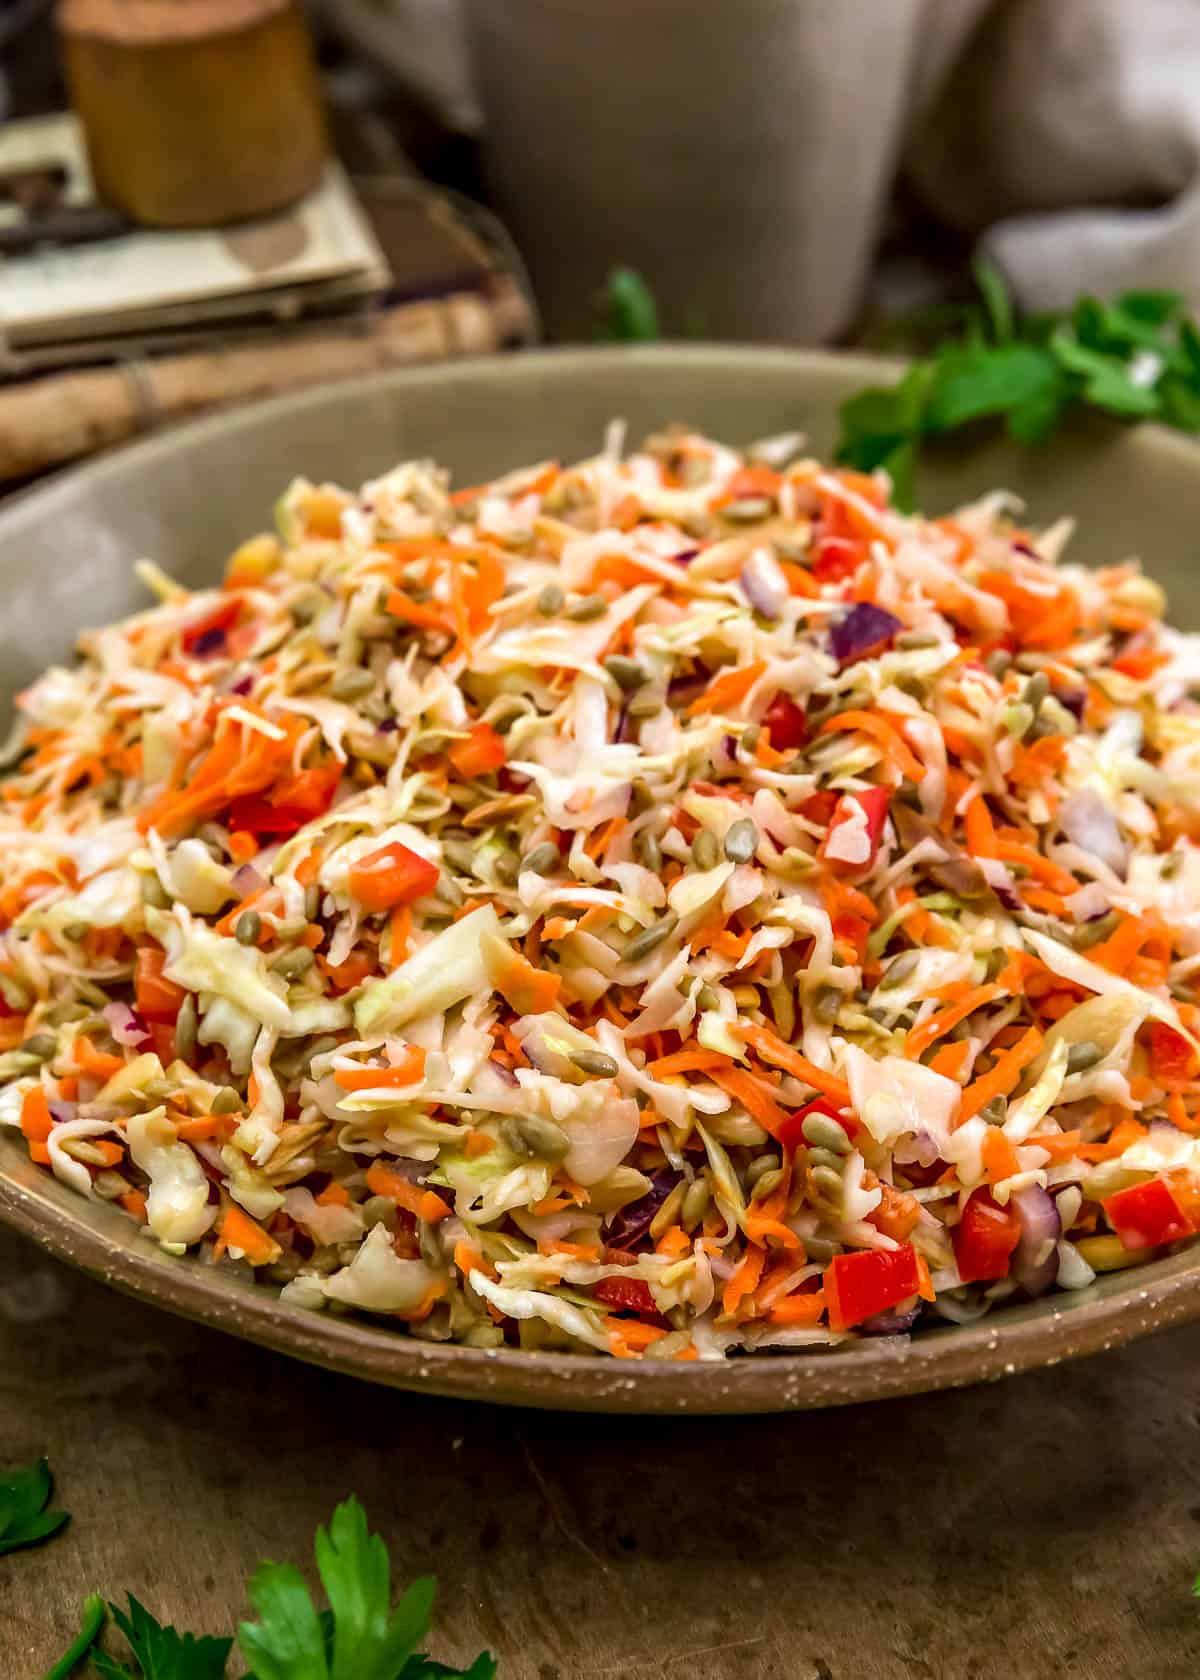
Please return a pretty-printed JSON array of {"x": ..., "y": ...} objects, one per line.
[{"x": 1116, "y": 1309}]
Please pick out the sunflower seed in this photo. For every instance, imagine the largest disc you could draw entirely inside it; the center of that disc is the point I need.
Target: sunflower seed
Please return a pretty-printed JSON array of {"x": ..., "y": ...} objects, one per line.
[{"x": 668, "y": 1213}]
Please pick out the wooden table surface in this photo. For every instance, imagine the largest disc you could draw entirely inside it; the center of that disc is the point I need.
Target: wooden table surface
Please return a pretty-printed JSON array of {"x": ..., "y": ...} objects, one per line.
[{"x": 1047, "y": 1526}]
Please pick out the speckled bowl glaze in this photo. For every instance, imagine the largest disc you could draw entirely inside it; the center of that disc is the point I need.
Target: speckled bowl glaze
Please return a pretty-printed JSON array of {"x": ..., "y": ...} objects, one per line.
[{"x": 188, "y": 496}]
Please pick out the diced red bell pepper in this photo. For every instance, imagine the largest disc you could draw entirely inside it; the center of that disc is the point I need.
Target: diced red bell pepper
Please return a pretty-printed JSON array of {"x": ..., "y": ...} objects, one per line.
[
  {"x": 786, "y": 724},
  {"x": 837, "y": 558},
  {"x": 287, "y": 808},
  {"x": 985, "y": 1237},
  {"x": 790, "y": 1135},
  {"x": 157, "y": 998},
  {"x": 393, "y": 875},
  {"x": 626, "y": 1295},
  {"x": 859, "y": 1285},
  {"x": 871, "y": 804},
  {"x": 201, "y": 630},
  {"x": 162, "y": 1036},
  {"x": 1172, "y": 1059},
  {"x": 1147, "y": 1214}
]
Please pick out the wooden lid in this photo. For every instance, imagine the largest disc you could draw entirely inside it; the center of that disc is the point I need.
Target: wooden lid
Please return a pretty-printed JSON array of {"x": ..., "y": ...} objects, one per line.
[{"x": 147, "y": 22}]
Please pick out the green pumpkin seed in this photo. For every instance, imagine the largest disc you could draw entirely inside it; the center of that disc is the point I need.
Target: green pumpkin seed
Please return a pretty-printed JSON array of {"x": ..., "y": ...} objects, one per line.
[
  {"x": 248, "y": 927},
  {"x": 542, "y": 1138},
  {"x": 16, "y": 994},
  {"x": 628, "y": 674},
  {"x": 645, "y": 706},
  {"x": 41, "y": 1045},
  {"x": 750, "y": 738},
  {"x": 227, "y": 1101},
  {"x": 696, "y": 1202},
  {"x": 995, "y": 1112},
  {"x": 649, "y": 851},
  {"x": 1094, "y": 932},
  {"x": 1083, "y": 1056},
  {"x": 1036, "y": 689},
  {"x": 1171, "y": 865},
  {"x": 312, "y": 901},
  {"x": 827, "y": 1004},
  {"x": 823, "y": 1133},
  {"x": 585, "y": 610},
  {"x": 998, "y": 661},
  {"x": 767, "y": 1184},
  {"x": 706, "y": 853},
  {"x": 761, "y": 1164},
  {"x": 741, "y": 841},
  {"x": 76, "y": 931},
  {"x": 551, "y": 601},
  {"x": 185, "y": 1029},
  {"x": 650, "y": 938},
  {"x": 352, "y": 684},
  {"x": 593, "y": 1062},
  {"x": 290, "y": 965},
  {"x": 899, "y": 970},
  {"x": 708, "y": 998},
  {"x": 825, "y": 1158},
  {"x": 827, "y": 1182},
  {"x": 542, "y": 859}
]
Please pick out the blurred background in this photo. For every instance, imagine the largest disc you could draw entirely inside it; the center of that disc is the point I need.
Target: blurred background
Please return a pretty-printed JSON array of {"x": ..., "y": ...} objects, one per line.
[{"x": 205, "y": 201}]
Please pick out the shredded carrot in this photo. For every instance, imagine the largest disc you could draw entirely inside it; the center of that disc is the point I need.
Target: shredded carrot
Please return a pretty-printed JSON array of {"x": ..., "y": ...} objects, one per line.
[
  {"x": 937, "y": 1026},
  {"x": 406, "y": 1072},
  {"x": 744, "y": 1280},
  {"x": 771, "y": 1048},
  {"x": 239, "y": 1231},
  {"x": 882, "y": 730},
  {"x": 727, "y": 689},
  {"x": 1002, "y": 1078},
  {"x": 426, "y": 1204}
]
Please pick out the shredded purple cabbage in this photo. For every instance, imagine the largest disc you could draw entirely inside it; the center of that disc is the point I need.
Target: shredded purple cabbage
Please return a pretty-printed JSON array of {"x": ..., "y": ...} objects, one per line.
[{"x": 866, "y": 629}]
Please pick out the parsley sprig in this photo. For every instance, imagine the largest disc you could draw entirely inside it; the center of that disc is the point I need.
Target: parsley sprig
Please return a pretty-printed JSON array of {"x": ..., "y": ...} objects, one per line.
[
  {"x": 1134, "y": 359},
  {"x": 360, "y": 1636},
  {"x": 24, "y": 1496}
]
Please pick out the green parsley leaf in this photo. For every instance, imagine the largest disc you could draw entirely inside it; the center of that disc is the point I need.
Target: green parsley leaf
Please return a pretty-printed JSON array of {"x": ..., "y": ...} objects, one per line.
[
  {"x": 996, "y": 301},
  {"x": 90, "y": 1628},
  {"x": 160, "y": 1652},
  {"x": 362, "y": 1636},
  {"x": 24, "y": 1519},
  {"x": 1134, "y": 358},
  {"x": 631, "y": 314},
  {"x": 976, "y": 383}
]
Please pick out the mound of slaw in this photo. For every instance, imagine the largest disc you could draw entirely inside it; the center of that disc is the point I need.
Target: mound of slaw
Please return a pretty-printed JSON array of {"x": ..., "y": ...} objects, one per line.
[{"x": 660, "y": 907}]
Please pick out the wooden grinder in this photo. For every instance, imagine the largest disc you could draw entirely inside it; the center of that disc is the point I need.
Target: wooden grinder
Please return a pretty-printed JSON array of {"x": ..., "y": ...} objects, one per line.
[{"x": 196, "y": 112}]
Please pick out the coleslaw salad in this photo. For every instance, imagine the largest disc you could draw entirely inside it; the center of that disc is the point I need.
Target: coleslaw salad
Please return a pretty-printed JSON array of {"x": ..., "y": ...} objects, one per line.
[{"x": 661, "y": 907}]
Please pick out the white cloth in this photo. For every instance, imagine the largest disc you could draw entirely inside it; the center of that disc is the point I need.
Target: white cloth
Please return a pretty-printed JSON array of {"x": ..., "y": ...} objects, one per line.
[{"x": 743, "y": 153}]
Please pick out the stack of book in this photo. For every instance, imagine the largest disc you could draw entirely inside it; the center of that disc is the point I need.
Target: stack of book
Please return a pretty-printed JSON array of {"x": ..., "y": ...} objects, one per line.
[{"x": 154, "y": 325}]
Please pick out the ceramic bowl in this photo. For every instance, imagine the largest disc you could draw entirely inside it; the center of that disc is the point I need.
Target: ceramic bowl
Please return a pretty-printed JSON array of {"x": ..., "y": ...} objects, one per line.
[{"x": 188, "y": 496}]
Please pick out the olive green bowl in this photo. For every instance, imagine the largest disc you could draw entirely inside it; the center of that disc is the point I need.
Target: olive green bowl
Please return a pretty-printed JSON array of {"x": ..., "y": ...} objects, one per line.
[{"x": 187, "y": 497}]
